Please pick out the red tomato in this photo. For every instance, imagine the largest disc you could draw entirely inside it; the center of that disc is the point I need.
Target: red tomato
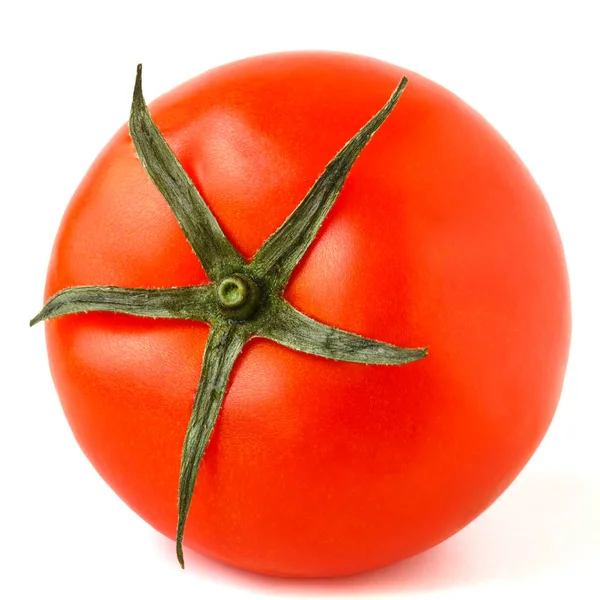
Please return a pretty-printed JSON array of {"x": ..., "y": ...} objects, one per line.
[{"x": 440, "y": 238}]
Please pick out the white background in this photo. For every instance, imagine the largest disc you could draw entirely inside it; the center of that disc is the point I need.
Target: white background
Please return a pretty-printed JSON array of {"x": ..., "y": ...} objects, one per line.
[{"x": 67, "y": 69}]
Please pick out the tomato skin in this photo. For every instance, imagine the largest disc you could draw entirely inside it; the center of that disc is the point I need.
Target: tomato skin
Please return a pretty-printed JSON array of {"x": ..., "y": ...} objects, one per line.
[{"x": 440, "y": 238}]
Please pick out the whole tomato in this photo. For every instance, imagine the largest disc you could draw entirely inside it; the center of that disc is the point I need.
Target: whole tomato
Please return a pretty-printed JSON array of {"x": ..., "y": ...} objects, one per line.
[{"x": 440, "y": 238}]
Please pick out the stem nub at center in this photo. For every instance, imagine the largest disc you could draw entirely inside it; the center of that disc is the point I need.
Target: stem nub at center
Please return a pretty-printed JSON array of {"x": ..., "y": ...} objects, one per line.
[
  {"x": 238, "y": 297},
  {"x": 232, "y": 292}
]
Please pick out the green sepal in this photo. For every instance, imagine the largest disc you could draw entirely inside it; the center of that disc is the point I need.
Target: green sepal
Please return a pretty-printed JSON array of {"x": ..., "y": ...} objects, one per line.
[
  {"x": 202, "y": 230},
  {"x": 295, "y": 330},
  {"x": 196, "y": 303},
  {"x": 223, "y": 346},
  {"x": 280, "y": 254}
]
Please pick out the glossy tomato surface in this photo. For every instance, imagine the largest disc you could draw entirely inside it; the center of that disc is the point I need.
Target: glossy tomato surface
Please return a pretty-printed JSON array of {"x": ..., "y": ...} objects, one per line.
[{"x": 440, "y": 238}]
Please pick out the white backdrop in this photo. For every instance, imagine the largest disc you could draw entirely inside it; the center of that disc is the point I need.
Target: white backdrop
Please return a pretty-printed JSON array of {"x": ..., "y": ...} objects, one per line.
[{"x": 531, "y": 68}]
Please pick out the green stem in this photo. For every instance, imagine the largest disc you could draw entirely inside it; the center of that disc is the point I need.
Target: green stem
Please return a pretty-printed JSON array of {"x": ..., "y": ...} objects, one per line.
[{"x": 239, "y": 297}]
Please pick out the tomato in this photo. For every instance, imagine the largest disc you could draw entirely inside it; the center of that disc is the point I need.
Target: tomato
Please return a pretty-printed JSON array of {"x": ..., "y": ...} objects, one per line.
[{"x": 440, "y": 238}]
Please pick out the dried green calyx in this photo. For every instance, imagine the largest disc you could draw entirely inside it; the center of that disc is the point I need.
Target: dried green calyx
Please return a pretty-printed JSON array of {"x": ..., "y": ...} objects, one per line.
[{"x": 243, "y": 300}]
